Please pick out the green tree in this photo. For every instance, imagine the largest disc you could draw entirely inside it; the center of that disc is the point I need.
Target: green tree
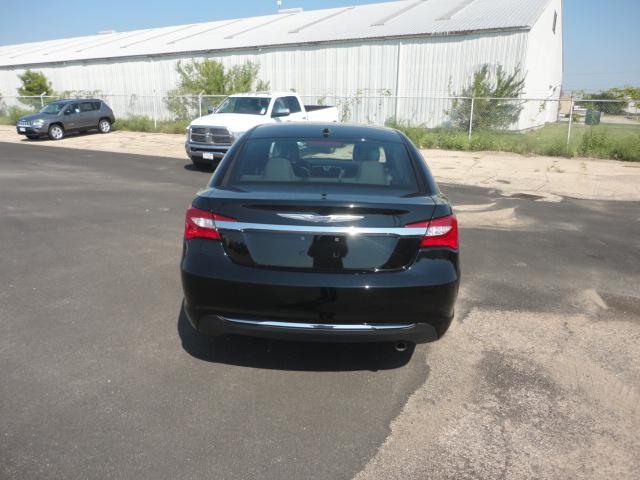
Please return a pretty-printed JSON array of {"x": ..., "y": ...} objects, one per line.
[
  {"x": 34, "y": 84},
  {"x": 631, "y": 93},
  {"x": 494, "y": 113},
  {"x": 210, "y": 77},
  {"x": 614, "y": 102}
]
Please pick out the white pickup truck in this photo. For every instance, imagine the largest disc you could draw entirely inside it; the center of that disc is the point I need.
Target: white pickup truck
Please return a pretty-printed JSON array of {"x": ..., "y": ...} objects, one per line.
[{"x": 209, "y": 137}]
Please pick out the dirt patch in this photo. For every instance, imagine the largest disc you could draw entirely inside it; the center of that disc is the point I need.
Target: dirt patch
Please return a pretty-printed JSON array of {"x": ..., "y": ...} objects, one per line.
[
  {"x": 520, "y": 395},
  {"x": 503, "y": 219},
  {"x": 544, "y": 177}
]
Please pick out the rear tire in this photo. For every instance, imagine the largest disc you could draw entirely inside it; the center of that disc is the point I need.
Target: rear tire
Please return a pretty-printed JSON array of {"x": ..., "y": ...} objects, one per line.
[
  {"x": 104, "y": 125},
  {"x": 56, "y": 132}
]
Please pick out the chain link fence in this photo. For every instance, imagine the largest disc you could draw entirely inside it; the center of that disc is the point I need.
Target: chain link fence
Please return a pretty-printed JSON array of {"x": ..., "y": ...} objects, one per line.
[{"x": 564, "y": 126}]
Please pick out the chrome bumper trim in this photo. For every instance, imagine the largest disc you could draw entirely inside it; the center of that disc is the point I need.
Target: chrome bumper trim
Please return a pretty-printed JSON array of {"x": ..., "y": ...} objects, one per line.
[
  {"x": 323, "y": 326},
  {"x": 331, "y": 230}
]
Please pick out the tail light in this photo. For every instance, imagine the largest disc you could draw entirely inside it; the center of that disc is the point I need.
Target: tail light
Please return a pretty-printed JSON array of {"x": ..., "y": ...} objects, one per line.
[
  {"x": 202, "y": 224},
  {"x": 441, "y": 232}
]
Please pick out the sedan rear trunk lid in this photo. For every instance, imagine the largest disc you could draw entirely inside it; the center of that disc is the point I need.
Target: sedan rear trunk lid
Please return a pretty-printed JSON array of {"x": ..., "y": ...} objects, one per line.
[{"x": 322, "y": 235}]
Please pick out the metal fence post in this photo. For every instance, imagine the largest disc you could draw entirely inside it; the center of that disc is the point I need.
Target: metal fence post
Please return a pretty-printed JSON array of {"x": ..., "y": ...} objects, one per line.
[
  {"x": 200, "y": 103},
  {"x": 155, "y": 111},
  {"x": 570, "y": 121},
  {"x": 473, "y": 103},
  {"x": 42, "y": 99}
]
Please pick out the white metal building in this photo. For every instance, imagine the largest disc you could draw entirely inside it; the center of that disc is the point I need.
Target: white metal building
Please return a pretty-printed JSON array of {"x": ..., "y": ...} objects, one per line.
[{"x": 404, "y": 49}]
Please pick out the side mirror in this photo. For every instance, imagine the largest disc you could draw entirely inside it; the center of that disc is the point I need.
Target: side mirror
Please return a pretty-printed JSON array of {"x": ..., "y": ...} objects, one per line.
[
  {"x": 281, "y": 112},
  {"x": 67, "y": 112},
  {"x": 211, "y": 109}
]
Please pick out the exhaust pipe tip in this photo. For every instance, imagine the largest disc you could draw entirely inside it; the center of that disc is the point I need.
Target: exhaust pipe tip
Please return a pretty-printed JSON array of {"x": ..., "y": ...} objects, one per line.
[{"x": 400, "y": 346}]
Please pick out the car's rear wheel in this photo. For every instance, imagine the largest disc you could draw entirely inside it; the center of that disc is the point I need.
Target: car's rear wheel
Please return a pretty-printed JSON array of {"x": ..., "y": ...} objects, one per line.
[
  {"x": 104, "y": 125},
  {"x": 56, "y": 132}
]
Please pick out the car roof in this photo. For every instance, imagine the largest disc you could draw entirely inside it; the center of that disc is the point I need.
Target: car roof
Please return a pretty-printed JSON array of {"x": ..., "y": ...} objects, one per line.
[
  {"x": 337, "y": 131},
  {"x": 69, "y": 100},
  {"x": 263, "y": 94}
]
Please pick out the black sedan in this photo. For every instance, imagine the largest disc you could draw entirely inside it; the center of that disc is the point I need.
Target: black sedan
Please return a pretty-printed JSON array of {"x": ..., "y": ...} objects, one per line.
[{"x": 321, "y": 232}]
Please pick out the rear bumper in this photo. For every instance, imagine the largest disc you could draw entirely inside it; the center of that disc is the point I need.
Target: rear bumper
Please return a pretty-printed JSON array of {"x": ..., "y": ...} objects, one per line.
[
  {"x": 196, "y": 150},
  {"x": 219, "y": 325},
  {"x": 413, "y": 305}
]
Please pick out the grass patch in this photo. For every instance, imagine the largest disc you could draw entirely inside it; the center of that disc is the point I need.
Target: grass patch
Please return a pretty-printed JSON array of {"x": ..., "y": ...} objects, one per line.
[
  {"x": 146, "y": 124},
  {"x": 11, "y": 115},
  {"x": 618, "y": 142}
]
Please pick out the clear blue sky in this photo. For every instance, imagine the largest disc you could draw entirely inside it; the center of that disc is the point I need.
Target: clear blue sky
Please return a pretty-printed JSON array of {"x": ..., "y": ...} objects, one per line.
[{"x": 602, "y": 37}]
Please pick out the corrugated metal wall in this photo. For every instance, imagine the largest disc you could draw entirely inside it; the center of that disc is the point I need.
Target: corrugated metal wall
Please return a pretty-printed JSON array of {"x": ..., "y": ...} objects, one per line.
[
  {"x": 426, "y": 67},
  {"x": 544, "y": 67}
]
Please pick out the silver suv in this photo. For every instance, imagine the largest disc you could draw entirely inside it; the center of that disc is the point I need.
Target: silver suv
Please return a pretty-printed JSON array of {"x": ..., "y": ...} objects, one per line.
[{"x": 64, "y": 116}]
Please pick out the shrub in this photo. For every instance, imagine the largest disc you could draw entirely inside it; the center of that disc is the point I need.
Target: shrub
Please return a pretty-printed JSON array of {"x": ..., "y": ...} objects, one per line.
[
  {"x": 489, "y": 114},
  {"x": 14, "y": 113},
  {"x": 138, "y": 123},
  {"x": 210, "y": 77},
  {"x": 598, "y": 143},
  {"x": 594, "y": 142},
  {"x": 141, "y": 123},
  {"x": 558, "y": 148}
]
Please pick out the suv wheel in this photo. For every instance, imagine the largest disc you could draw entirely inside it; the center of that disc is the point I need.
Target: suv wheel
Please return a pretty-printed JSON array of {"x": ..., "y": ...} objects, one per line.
[
  {"x": 104, "y": 126},
  {"x": 56, "y": 132}
]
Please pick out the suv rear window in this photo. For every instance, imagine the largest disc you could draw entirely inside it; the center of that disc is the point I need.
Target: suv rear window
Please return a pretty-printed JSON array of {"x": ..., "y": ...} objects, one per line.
[
  {"x": 312, "y": 161},
  {"x": 87, "y": 107}
]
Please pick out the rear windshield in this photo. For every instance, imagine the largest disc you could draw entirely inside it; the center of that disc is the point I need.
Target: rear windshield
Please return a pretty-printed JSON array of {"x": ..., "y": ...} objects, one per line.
[
  {"x": 246, "y": 105},
  {"x": 342, "y": 164}
]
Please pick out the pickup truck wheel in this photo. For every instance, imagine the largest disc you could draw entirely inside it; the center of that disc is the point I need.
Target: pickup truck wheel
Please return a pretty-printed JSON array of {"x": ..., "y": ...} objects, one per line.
[
  {"x": 104, "y": 125},
  {"x": 56, "y": 132}
]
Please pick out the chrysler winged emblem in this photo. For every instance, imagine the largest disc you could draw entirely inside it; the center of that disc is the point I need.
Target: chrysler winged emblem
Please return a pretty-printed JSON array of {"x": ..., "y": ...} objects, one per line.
[{"x": 310, "y": 217}]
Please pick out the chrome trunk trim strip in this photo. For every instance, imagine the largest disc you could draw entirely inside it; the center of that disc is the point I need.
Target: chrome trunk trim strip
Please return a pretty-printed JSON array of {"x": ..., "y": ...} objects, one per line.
[{"x": 330, "y": 230}]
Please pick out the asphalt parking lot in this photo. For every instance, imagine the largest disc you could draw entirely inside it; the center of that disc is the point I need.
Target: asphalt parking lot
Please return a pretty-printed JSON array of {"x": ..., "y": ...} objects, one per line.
[{"x": 539, "y": 377}]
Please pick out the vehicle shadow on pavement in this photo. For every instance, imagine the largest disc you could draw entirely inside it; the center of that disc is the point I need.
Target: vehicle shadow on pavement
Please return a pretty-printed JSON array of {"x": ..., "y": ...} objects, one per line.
[
  {"x": 285, "y": 355},
  {"x": 192, "y": 168},
  {"x": 45, "y": 139}
]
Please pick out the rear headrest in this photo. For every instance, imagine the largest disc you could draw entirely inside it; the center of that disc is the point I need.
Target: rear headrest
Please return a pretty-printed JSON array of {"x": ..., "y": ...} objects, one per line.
[
  {"x": 366, "y": 152},
  {"x": 287, "y": 149},
  {"x": 278, "y": 169}
]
